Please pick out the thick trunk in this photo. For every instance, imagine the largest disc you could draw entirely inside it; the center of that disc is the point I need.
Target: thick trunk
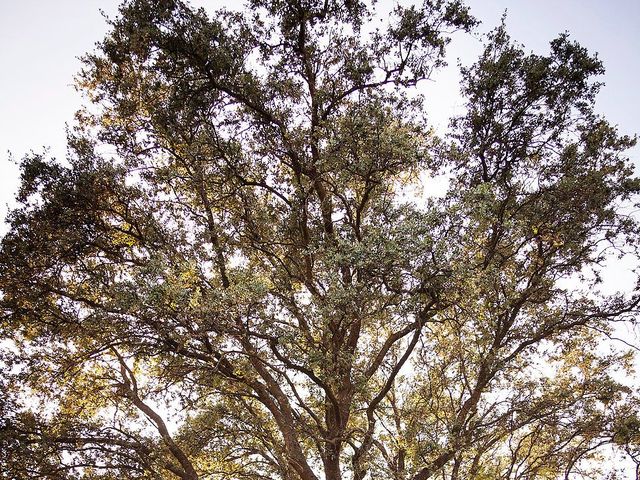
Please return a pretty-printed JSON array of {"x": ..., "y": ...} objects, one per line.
[{"x": 332, "y": 462}]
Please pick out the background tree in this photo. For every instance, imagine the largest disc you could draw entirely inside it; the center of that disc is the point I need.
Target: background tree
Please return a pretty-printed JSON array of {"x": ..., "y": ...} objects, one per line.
[{"x": 242, "y": 284}]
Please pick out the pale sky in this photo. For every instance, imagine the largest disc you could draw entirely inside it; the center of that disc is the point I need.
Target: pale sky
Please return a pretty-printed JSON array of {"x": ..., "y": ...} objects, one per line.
[{"x": 41, "y": 40}]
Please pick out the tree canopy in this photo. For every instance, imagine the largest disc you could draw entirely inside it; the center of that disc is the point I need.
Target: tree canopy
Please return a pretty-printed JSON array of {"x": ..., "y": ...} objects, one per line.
[{"x": 238, "y": 272}]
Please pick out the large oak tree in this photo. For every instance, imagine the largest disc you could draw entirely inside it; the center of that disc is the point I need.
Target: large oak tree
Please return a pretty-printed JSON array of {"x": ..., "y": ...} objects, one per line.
[{"x": 238, "y": 273}]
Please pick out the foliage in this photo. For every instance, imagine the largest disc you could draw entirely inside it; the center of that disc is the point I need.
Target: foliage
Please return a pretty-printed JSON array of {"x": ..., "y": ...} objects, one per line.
[{"x": 229, "y": 278}]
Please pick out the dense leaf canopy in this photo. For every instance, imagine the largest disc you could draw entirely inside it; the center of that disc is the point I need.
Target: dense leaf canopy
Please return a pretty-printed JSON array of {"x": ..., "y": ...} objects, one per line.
[{"x": 240, "y": 272}]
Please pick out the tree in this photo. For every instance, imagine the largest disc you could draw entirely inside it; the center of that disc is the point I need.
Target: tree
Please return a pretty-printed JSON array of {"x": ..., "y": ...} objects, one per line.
[{"x": 230, "y": 277}]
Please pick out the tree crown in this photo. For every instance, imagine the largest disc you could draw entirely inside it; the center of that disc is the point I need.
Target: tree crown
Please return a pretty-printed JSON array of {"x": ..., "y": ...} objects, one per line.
[{"x": 243, "y": 287}]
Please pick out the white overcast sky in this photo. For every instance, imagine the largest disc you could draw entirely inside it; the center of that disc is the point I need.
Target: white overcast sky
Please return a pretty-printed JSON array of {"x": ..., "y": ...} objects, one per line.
[{"x": 40, "y": 41}]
